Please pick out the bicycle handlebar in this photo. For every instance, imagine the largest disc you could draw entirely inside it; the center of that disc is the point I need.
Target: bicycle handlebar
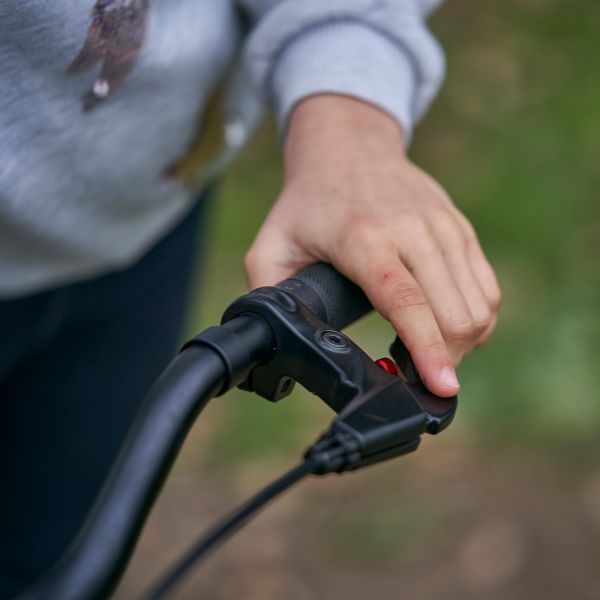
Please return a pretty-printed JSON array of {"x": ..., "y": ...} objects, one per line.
[
  {"x": 269, "y": 339},
  {"x": 330, "y": 296},
  {"x": 94, "y": 563}
]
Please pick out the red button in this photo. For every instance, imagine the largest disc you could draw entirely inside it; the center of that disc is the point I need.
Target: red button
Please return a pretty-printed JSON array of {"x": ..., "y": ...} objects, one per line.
[{"x": 388, "y": 365}]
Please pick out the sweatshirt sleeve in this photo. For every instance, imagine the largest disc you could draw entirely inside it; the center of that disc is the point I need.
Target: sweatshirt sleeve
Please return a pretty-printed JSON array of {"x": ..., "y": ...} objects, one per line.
[{"x": 379, "y": 51}]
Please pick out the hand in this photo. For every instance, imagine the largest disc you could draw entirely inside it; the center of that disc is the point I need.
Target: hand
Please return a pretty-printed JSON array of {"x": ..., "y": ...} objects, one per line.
[{"x": 352, "y": 198}]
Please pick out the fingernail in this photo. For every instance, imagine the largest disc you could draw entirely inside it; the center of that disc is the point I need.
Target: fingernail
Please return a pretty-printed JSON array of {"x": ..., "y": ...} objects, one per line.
[{"x": 448, "y": 378}]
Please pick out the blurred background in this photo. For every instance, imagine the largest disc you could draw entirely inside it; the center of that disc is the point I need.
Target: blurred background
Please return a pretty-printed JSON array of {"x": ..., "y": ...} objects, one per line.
[{"x": 506, "y": 503}]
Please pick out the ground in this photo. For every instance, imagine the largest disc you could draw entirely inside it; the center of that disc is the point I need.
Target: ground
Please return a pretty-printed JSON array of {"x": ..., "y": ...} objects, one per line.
[{"x": 456, "y": 520}]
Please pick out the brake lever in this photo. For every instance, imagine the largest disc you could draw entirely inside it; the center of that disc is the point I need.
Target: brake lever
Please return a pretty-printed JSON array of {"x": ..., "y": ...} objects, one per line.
[{"x": 380, "y": 415}]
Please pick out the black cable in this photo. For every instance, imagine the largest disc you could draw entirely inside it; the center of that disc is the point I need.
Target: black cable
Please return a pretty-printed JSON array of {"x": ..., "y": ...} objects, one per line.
[{"x": 226, "y": 528}]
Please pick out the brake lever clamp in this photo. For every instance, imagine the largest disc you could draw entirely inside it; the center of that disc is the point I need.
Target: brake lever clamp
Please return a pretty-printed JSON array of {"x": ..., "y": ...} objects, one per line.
[{"x": 380, "y": 415}]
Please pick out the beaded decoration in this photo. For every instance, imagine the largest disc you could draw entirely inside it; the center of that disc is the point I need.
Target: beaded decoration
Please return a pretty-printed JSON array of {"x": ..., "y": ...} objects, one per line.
[{"x": 115, "y": 39}]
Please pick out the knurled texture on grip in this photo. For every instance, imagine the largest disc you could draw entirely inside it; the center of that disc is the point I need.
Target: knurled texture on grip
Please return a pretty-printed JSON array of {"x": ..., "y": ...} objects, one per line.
[{"x": 333, "y": 298}]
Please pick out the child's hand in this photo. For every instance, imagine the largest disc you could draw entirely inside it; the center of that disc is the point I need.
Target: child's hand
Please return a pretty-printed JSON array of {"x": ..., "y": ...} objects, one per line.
[{"x": 352, "y": 198}]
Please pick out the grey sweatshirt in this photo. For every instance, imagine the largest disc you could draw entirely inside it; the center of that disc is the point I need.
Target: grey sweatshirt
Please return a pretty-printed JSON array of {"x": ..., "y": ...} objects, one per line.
[{"x": 84, "y": 192}]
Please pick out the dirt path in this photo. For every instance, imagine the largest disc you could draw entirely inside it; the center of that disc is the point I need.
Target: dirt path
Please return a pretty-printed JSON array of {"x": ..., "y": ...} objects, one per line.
[{"x": 453, "y": 521}]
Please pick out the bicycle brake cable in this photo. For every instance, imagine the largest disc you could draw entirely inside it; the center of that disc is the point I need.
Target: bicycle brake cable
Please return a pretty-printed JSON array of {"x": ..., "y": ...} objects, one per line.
[{"x": 226, "y": 528}]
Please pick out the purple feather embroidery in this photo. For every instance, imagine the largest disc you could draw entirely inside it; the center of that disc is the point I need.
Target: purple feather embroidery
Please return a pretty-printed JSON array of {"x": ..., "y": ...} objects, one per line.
[{"x": 115, "y": 39}]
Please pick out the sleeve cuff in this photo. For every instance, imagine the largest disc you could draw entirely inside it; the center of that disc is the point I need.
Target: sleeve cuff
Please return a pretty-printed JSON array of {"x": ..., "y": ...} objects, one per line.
[{"x": 348, "y": 58}]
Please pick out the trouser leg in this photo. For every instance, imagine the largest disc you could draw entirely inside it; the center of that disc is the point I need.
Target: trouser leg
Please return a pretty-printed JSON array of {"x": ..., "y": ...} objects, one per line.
[{"x": 66, "y": 404}]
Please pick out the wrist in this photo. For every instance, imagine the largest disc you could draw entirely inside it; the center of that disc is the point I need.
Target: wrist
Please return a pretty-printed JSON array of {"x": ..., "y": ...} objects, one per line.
[{"x": 334, "y": 125}]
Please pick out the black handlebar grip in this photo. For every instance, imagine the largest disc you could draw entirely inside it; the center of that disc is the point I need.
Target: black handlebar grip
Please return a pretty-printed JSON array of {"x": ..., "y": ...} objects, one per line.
[{"x": 328, "y": 294}]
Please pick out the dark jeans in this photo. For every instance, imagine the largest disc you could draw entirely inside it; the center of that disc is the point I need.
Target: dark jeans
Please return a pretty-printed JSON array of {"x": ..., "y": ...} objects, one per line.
[{"x": 75, "y": 362}]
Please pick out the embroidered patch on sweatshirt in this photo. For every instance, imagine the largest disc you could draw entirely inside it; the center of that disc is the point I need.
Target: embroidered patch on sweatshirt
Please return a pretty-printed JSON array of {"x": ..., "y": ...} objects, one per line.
[{"x": 115, "y": 39}]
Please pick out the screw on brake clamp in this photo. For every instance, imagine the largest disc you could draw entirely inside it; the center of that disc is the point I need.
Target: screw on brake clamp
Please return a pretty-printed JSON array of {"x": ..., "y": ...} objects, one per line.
[{"x": 380, "y": 415}]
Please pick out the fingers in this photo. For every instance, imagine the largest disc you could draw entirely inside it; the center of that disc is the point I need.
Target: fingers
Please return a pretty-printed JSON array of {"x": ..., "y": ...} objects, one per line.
[
  {"x": 445, "y": 294},
  {"x": 489, "y": 284},
  {"x": 454, "y": 241},
  {"x": 441, "y": 300},
  {"x": 474, "y": 256},
  {"x": 395, "y": 293}
]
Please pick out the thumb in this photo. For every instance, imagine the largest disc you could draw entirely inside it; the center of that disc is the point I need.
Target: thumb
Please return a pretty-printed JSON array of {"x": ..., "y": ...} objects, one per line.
[{"x": 273, "y": 257}]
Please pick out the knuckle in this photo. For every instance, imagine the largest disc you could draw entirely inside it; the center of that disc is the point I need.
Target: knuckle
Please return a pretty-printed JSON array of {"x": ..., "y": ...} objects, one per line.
[
  {"x": 364, "y": 233},
  {"x": 481, "y": 322},
  {"x": 416, "y": 226},
  {"x": 470, "y": 232},
  {"x": 495, "y": 301},
  {"x": 251, "y": 260},
  {"x": 453, "y": 238},
  {"x": 385, "y": 273},
  {"x": 424, "y": 249},
  {"x": 461, "y": 331},
  {"x": 419, "y": 241},
  {"x": 468, "y": 228},
  {"x": 445, "y": 221},
  {"x": 405, "y": 295},
  {"x": 396, "y": 289}
]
